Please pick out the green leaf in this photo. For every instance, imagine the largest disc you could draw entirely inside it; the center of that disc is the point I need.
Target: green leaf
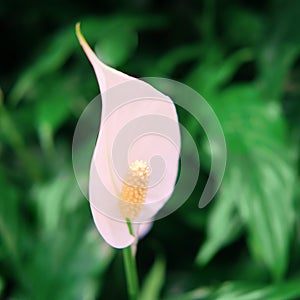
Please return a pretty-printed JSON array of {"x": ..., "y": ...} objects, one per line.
[
  {"x": 2, "y": 284},
  {"x": 280, "y": 48},
  {"x": 9, "y": 216},
  {"x": 259, "y": 180},
  {"x": 68, "y": 247},
  {"x": 210, "y": 76},
  {"x": 116, "y": 46},
  {"x": 12, "y": 230},
  {"x": 223, "y": 224},
  {"x": 244, "y": 27},
  {"x": 288, "y": 290},
  {"x": 53, "y": 106},
  {"x": 63, "y": 44},
  {"x": 75, "y": 260},
  {"x": 168, "y": 63},
  {"x": 54, "y": 199},
  {"x": 154, "y": 281},
  {"x": 52, "y": 58}
]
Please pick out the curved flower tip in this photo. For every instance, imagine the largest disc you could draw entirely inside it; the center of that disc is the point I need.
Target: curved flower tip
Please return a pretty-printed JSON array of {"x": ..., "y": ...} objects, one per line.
[
  {"x": 135, "y": 161},
  {"x": 107, "y": 77}
]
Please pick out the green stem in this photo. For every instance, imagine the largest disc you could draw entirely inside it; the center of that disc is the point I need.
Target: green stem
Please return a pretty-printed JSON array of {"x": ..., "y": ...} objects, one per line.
[{"x": 131, "y": 270}]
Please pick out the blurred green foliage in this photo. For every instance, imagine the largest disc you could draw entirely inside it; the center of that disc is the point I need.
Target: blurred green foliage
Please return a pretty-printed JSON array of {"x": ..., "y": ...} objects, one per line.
[{"x": 244, "y": 58}]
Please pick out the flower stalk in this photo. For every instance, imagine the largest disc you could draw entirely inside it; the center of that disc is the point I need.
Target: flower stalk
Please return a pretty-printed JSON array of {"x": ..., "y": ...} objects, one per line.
[{"x": 130, "y": 269}]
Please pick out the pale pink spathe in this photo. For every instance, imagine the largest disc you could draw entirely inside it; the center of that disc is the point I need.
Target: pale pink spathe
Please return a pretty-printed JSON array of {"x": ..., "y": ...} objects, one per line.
[{"x": 126, "y": 100}]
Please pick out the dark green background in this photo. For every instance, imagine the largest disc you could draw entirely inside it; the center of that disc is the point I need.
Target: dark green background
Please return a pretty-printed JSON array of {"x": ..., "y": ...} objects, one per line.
[{"x": 243, "y": 57}]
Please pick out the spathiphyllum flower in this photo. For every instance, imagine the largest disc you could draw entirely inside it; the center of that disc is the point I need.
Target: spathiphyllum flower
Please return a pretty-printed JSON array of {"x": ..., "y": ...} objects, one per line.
[{"x": 135, "y": 161}]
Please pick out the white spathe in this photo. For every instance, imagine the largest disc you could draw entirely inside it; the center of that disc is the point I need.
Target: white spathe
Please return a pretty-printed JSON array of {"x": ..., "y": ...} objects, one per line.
[{"x": 137, "y": 123}]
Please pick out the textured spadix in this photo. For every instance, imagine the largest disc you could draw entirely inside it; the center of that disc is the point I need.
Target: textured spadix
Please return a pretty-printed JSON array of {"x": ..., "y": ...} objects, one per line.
[{"x": 135, "y": 160}]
